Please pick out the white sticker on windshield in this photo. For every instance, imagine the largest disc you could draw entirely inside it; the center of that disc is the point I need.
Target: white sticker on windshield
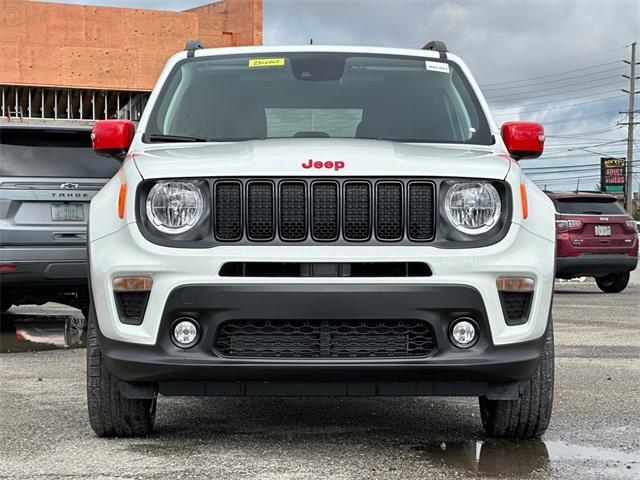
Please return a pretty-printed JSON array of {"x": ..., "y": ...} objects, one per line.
[{"x": 437, "y": 66}]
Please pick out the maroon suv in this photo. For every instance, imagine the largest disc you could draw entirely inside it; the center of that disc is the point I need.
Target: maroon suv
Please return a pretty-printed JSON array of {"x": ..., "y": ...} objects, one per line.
[{"x": 595, "y": 238}]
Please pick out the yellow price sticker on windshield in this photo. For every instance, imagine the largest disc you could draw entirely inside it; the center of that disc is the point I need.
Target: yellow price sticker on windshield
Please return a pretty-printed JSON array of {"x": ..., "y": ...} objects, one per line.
[{"x": 266, "y": 62}]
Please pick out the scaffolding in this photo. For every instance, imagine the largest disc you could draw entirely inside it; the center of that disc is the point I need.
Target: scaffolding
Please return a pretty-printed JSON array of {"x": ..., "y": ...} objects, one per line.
[{"x": 42, "y": 103}]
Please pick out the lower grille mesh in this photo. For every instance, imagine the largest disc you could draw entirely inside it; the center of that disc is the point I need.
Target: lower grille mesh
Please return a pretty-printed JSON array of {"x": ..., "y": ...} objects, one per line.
[
  {"x": 515, "y": 306},
  {"x": 325, "y": 338},
  {"x": 131, "y": 306}
]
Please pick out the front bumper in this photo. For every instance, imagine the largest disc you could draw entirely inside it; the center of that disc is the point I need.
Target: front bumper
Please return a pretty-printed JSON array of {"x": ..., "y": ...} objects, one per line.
[
  {"x": 520, "y": 253},
  {"x": 484, "y": 369},
  {"x": 594, "y": 265}
]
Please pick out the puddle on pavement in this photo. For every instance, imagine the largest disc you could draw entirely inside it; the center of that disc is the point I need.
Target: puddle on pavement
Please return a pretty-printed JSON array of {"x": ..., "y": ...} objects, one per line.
[
  {"x": 494, "y": 458},
  {"x": 29, "y": 333}
]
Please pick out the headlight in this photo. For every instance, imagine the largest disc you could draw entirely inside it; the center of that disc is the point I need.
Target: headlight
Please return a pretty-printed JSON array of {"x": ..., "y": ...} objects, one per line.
[
  {"x": 473, "y": 207},
  {"x": 174, "y": 207}
]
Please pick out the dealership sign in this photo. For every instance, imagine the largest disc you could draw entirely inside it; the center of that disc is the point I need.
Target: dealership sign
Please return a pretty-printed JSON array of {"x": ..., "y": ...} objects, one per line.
[{"x": 613, "y": 174}]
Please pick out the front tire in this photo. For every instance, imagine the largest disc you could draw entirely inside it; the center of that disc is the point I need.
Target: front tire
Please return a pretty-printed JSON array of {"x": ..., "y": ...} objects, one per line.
[
  {"x": 613, "y": 283},
  {"x": 110, "y": 414},
  {"x": 527, "y": 417}
]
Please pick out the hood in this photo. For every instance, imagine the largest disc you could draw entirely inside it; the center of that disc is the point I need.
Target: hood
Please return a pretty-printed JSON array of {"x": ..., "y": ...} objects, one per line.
[{"x": 319, "y": 157}]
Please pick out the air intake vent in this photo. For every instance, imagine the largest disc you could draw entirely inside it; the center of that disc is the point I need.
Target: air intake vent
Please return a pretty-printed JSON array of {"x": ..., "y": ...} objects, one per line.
[
  {"x": 324, "y": 215},
  {"x": 389, "y": 211},
  {"x": 330, "y": 339},
  {"x": 228, "y": 222},
  {"x": 357, "y": 215},
  {"x": 131, "y": 306},
  {"x": 260, "y": 215},
  {"x": 322, "y": 209},
  {"x": 421, "y": 211},
  {"x": 515, "y": 306},
  {"x": 293, "y": 211}
]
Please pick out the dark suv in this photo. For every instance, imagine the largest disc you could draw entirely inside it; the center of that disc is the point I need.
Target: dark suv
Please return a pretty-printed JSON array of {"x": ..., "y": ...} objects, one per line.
[
  {"x": 48, "y": 175},
  {"x": 595, "y": 238}
]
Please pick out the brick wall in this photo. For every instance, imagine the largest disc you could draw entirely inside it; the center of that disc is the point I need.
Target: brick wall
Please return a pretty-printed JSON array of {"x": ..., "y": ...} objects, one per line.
[{"x": 75, "y": 46}]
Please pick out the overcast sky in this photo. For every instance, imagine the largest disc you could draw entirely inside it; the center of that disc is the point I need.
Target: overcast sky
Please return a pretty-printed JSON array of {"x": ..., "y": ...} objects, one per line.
[{"x": 555, "y": 61}]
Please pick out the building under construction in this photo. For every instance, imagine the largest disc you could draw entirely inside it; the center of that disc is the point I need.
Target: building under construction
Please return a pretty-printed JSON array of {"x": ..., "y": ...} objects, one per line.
[{"x": 67, "y": 63}]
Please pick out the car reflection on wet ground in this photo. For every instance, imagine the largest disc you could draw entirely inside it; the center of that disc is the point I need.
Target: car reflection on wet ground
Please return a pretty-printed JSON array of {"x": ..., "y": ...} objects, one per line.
[
  {"x": 494, "y": 458},
  {"x": 594, "y": 432},
  {"x": 29, "y": 328}
]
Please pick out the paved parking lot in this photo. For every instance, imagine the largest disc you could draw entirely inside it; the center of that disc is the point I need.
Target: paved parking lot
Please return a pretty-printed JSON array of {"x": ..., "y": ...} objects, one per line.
[{"x": 594, "y": 433}]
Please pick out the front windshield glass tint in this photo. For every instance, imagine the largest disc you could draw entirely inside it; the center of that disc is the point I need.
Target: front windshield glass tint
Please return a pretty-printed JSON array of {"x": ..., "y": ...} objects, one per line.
[{"x": 319, "y": 95}]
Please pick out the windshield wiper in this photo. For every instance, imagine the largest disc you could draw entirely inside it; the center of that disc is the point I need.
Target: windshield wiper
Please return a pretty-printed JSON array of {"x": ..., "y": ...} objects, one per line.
[{"x": 159, "y": 137}]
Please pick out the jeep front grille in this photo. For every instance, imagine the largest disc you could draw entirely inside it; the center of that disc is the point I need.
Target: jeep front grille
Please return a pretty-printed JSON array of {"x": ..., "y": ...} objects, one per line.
[
  {"x": 331, "y": 339},
  {"x": 352, "y": 210}
]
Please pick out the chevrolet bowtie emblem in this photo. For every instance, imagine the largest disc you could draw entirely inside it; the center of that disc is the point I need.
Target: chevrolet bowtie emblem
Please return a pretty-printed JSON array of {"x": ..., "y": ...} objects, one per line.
[{"x": 69, "y": 186}]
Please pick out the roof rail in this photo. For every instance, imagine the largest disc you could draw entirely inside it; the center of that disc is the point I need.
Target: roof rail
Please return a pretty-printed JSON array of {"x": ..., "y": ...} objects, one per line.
[
  {"x": 438, "y": 46},
  {"x": 192, "y": 46}
]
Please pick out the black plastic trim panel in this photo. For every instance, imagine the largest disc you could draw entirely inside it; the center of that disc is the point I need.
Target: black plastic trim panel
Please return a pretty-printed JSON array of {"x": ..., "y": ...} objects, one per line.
[{"x": 211, "y": 305}]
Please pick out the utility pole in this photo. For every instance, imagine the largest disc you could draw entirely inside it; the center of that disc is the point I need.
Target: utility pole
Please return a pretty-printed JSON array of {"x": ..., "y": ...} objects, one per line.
[{"x": 630, "y": 124}]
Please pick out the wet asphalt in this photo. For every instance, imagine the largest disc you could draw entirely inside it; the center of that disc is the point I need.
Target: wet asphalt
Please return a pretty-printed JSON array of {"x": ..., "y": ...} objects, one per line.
[{"x": 594, "y": 432}]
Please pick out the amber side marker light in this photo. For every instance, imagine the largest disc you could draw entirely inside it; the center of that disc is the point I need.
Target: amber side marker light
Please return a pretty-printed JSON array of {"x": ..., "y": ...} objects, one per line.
[
  {"x": 122, "y": 200},
  {"x": 524, "y": 201},
  {"x": 515, "y": 284},
  {"x": 132, "y": 284}
]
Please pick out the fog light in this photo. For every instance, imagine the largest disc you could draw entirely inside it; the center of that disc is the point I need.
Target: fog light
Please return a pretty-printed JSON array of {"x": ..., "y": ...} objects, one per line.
[
  {"x": 186, "y": 332},
  {"x": 464, "y": 333}
]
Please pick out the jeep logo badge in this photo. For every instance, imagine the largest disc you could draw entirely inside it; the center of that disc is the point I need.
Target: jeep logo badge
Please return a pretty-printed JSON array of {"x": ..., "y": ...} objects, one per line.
[{"x": 337, "y": 165}]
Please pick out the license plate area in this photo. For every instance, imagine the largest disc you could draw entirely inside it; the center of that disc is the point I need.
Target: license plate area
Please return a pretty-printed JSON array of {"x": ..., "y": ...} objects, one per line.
[
  {"x": 67, "y": 212},
  {"x": 602, "y": 230}
]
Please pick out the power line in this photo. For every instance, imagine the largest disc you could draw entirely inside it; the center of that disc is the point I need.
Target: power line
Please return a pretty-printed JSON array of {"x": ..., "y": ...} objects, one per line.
[
  {"x": 569, "y": 120},
  {"x": 560, "y": 106},
  {"x": 570, "y": 84},
  {"x": 558, "y": 155},
  {"x": 594, "y": 54},
  {"x": 599, "y": 131},
  {"x": 581, "y": 165},
  {"x": 552, "y": 101},
  {"x": 510, "y": 97},
  {"x": 488, "y": 86},
  {"x": 568, "y": 146}
]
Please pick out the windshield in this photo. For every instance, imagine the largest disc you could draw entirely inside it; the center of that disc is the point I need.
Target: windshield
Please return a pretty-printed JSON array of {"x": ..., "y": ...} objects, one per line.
[
  {"x": 34, "y": 152},
  {"x": 233, "y": 98},
  {"x": 591, "y": 206}
]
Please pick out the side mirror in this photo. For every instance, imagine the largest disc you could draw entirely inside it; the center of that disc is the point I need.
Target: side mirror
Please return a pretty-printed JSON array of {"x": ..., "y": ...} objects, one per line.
[
  {"x": 523, "y": 139},
  {"x": 112, "y": 138}
]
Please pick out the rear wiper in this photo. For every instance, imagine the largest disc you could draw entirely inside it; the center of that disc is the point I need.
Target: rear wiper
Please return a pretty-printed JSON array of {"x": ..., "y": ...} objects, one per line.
[{"x": 159, "y": 137}]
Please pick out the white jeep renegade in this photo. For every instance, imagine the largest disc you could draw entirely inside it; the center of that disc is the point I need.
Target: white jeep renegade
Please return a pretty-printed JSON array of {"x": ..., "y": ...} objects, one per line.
[{"x": 320, "y": 221}]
